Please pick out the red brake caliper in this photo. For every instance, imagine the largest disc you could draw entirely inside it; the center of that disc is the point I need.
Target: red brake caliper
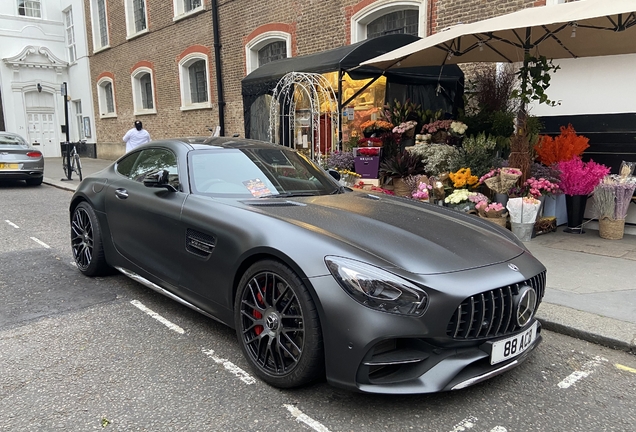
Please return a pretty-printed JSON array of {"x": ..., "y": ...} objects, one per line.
[{"x": 259, "y": 328}]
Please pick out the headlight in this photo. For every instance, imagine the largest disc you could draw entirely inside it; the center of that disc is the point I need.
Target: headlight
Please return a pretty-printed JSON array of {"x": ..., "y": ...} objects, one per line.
[{"x": 376, "y": 288}]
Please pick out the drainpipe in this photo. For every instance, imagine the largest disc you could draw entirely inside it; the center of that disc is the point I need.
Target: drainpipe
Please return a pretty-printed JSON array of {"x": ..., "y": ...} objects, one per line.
[{"x": 217, "y": 65}]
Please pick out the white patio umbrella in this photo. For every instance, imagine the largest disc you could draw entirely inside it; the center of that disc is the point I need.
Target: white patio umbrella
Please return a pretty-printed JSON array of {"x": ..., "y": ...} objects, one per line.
[{"x": 579, "y": 29}]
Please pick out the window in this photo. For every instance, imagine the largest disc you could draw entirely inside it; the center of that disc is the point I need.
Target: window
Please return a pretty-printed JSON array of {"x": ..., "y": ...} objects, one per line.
[
  {"x": 77, "y": 107},
  {"x": 384, "y": 17},
  {"x": 143, "y": 94},
  {"x": 30, "y": 8},
  {"x": 150, "y": 161},
  {"x": 136, "y": 20},
  {"x": 193, "y": 75},
  {"x": 185, "y": 7},
  {"x": 267, "y": 47},
  {"x": 404, "y": 21},
  {"x": 105, "y": 97},
  {"x": 100, "y": 24},
  {"x": 70, "y": 35}
]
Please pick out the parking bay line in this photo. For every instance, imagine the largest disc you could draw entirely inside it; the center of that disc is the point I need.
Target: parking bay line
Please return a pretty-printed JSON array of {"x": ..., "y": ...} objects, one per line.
[
  {"x": 304, "y": 418},
  {"x": 625, "y": 368},
  {"x": 40, "y": 242},
  {"x": 230, "y": 367},
  {"x": 158, "y": 317},
  {"x": 586, "y": 370},
  {"x": 11, "y": 223}
]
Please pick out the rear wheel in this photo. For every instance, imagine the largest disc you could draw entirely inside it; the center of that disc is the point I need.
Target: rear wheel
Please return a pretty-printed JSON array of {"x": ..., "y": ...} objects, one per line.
[
  {"x": 65, "y": 166},
  {"x": 86, "y": 241},
  {"x": 78, "y": 166},
  {"x": 277, "y": 326}
]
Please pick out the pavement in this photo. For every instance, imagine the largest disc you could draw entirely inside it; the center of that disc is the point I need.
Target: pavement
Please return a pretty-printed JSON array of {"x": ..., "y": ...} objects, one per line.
[{"x": 591, "y": 281}]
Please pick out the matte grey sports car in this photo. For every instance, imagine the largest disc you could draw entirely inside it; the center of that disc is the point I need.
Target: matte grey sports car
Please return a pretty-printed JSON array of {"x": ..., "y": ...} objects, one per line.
[
  {"x": 377, "y": 293},
  {"x": 19, "y": 160}
]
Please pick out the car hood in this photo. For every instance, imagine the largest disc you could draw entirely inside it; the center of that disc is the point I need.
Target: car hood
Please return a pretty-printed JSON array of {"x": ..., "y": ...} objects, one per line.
[{"x": 419, "y": 238}]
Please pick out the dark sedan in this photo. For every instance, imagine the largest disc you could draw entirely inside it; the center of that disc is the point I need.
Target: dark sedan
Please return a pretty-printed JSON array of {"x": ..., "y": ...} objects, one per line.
[
  {"x": 377, "y": 293},
  {"x": 20, "y": 161}
]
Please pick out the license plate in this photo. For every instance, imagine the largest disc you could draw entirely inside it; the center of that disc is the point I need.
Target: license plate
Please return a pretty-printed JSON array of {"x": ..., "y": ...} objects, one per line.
[
  {"x": 8, "y": 166},
  {"x": 513, "y": 346}
]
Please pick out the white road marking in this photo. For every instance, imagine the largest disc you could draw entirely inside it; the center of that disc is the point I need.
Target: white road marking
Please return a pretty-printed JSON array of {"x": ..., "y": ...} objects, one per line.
[
  {"x": 304, "y": 418},
  {"x": 11, "y": 223},
  {"x": 499, "y": 429},
  {"x": 158, "y": 317},
  {"x": 40, "y": 242},
  {"x": 464, "y": 425},
  {"x": 231, "y": 367},
  {"x": 586, "y": 370},
  {"x": 73, "y": 263}
]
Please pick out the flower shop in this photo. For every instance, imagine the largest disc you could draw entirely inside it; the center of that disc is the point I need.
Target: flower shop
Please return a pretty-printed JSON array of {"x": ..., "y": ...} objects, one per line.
[{"x": 491, "y": 162}]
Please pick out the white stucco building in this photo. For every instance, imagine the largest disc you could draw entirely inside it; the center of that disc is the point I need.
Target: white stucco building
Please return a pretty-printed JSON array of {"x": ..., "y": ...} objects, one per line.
[{"x": 43, "y": 45}]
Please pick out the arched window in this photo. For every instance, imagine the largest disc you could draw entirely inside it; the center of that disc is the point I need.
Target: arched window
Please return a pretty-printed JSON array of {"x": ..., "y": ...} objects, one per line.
[
  {"x": 194, "y": 81},
  {"x": 267, "y": 47},
  {"x": 143, "y": 91},
  {"x": 106, "y": 97},
  {"x": 388, "y": 17}
]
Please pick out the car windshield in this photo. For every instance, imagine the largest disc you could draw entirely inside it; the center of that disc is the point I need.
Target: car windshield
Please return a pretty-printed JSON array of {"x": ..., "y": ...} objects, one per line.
[
  {"x": 257, "y": 173},
  {"x": 12, "y": 140}
]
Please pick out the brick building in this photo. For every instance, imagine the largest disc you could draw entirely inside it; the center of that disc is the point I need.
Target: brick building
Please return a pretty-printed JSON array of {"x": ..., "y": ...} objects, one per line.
[{"x": 154, "y": 60}]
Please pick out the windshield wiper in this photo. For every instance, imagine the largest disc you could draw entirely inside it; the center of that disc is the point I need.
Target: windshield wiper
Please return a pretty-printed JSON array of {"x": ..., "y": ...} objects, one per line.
[{"x": 289, "y": 194}]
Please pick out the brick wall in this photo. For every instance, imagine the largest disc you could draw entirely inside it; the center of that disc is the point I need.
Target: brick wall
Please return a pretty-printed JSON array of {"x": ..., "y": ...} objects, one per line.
[{"x": 315, "y": 25}]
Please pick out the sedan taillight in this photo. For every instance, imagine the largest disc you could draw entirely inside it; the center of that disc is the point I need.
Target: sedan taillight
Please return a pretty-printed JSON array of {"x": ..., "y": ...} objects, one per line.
[{"x": 34, "y": 154}]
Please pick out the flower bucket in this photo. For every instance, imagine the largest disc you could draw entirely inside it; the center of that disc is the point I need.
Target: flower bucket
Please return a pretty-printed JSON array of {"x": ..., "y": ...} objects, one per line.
[
  {"x": 522, "y": 230},
  {"x": 575, "y": 205},
  {"x": 611, "y": 229},
  {"x": 400, "y": 188}
]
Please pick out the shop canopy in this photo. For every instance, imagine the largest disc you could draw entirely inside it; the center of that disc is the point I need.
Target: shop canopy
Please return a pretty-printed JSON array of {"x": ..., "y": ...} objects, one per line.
[
  {"x": 443, "y": 84},
  {"x": 570, "y": 30}
]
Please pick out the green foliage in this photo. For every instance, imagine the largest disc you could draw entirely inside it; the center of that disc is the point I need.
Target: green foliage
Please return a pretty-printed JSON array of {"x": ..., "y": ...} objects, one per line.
[
  {"x": 479, "y": 153},
  {"x": 437, "y": 158},
  {"x": 398, "y": 112},
  {"x": 402, "y": 164},
  {"x": 351, "y": 144},
  {"x": 535, "y": 80}
]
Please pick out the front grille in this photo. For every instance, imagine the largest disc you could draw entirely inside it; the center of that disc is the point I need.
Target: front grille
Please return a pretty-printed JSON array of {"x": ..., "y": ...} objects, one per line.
[{"x": 491, "y": 313}]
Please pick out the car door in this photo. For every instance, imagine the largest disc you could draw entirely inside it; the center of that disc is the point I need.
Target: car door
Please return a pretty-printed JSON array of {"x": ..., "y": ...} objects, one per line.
[{"x": 144, "y": 221}]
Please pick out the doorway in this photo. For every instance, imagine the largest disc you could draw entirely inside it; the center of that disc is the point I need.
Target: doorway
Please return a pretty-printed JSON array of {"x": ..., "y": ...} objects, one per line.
[{"x": 41, "y": 133}]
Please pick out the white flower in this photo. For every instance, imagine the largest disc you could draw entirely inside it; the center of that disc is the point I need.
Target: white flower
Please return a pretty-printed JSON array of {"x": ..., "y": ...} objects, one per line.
[{"x": 458, "y": 127}]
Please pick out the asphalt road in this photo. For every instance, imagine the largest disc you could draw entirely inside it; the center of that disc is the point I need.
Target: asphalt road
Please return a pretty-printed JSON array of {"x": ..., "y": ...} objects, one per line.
[{"x": 81, "y": 354}]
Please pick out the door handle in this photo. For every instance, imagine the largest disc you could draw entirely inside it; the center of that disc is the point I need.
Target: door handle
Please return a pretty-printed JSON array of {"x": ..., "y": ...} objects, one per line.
[{"x": 121, "y": 193}]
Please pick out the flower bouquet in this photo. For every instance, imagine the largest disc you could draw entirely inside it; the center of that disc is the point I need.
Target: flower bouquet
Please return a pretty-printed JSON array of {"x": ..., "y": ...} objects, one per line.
[
  {"x": 439, "y": 130},
  {"x": 464, "y": 200},
  {"x": 541, "y": 187},
  {"x": 375, "y": 127},
  {"x": 348, "y": 178},
  {"x": 611, "y": 200},
  {"x": 523, "y": 215},
  {"x": 422, "y": 192},
  {"x": 367, "y": 151},
  {"x": 407, "y": 127},
  {"x": 463, "y": 178},
  {"x": 580, "y": 178},
  {"x": 494, "y": 212},
  {"x": 501, "y": 180}
]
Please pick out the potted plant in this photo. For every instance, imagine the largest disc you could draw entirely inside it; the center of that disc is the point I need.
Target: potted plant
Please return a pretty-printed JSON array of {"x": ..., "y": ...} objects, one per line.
[
  {"x": 401, "y": 165},
  {"x": 578, "y": 180}
]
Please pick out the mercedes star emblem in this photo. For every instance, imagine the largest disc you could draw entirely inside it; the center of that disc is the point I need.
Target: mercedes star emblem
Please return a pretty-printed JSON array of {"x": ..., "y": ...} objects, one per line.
[
  {"x": 513, "y": 267},
  {"x": 526, "y": 305}
]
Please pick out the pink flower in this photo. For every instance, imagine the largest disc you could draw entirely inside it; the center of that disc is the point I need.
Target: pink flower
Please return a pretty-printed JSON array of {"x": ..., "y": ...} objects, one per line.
[{"x": 580, "y": 178}]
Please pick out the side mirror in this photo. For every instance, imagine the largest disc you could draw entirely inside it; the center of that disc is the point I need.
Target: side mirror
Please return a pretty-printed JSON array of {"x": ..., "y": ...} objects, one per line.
[
  {"x": 333, "y": 173},
  {"x": 158, "y": 179}
]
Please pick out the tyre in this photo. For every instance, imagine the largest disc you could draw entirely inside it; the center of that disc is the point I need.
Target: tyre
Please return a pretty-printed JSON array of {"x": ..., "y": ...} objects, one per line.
[
  {"x": 65, "y": 166},
  {"x": 78, "y": 167},
  {"x": 34, "y": 181},
  {"x": 277, "y": 326},
  {"x": 86, "y": 241}
]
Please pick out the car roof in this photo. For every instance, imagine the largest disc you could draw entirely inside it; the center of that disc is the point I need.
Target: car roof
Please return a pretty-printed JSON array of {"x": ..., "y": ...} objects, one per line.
[{"x": 202, "y": 142}]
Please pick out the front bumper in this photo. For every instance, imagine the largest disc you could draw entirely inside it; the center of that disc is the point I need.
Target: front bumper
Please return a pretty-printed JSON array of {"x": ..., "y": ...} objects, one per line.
[{"x": 377, "y": 352}]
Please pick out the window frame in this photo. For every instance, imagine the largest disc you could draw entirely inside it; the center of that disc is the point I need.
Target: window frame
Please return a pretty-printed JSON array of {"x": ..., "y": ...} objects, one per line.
[
  {"x": 77, "y": 112},
  {"x": 131, "y": 30},
  {"x": 260, "y": 41},
  {"x": 180, "y": 10},
  {"x": 184, "y": 81},
  {"x": 25, "y": 8},
  {"x": 97, "y": 28},
  {"x": 366, "y": 15},
  {"x": 71, "y": 48},
  {"x": 102, "y": 97},
  {"x": 135, "y": 77}
]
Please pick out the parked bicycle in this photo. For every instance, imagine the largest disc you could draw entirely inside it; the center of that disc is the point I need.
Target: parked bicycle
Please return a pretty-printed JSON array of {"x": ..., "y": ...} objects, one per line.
[{"x": 74, "y": 164}]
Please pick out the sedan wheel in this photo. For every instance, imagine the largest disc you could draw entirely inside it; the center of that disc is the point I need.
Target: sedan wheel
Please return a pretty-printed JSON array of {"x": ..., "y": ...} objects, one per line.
[
  {"x": 86, "y": 241},
  {"x": 277, "y": 326}
]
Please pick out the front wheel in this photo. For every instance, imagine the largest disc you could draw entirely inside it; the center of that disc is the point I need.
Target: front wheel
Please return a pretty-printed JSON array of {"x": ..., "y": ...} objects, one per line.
[
  {"x": 86, "y": 241},
  {"x": 65, "y": 167},
  {"x": 277, "y": 326},
  {"x": 78, "y": 166}
]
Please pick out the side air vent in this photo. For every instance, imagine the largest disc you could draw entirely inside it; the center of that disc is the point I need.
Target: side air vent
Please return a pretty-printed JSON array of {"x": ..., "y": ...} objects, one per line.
[{"x": 199, "y": 244}]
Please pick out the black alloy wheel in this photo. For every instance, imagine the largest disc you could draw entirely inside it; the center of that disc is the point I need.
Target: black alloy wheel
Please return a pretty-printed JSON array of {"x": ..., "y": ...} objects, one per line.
[
  {"x": 277, "y": 326},
  {"x": 86, "y": 241}
]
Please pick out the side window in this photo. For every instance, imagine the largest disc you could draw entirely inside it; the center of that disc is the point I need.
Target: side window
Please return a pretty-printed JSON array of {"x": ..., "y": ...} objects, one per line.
[
  {"x": 126, "y": 164},
  {"x": 152, "y": 160}
]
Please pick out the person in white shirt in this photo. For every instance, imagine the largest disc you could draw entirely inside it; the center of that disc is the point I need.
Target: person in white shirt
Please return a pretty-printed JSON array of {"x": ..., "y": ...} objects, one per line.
[{"x": 136, "y": 136}]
